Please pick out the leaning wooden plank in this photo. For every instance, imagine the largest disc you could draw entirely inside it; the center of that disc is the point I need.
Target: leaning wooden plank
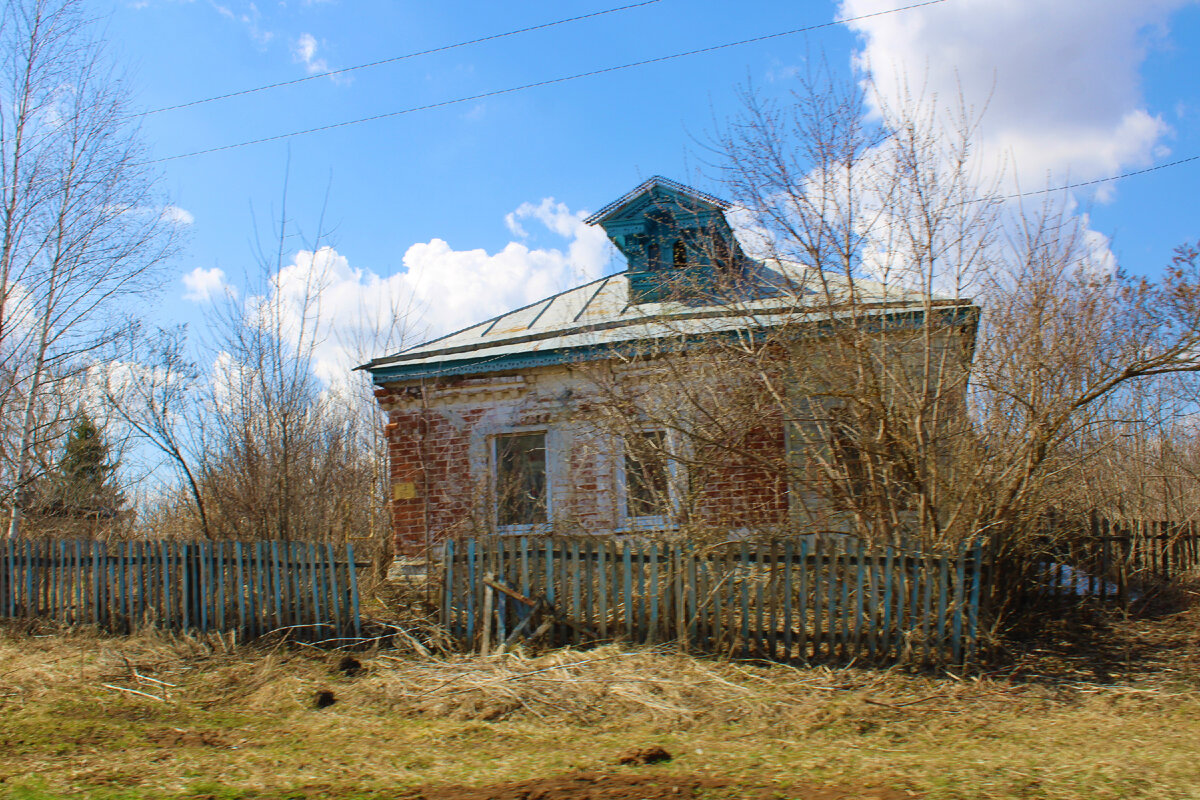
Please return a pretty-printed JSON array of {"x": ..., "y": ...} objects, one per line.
[
  {"x": 513, "y": 593},
  {"x": 485, "y": 622}
]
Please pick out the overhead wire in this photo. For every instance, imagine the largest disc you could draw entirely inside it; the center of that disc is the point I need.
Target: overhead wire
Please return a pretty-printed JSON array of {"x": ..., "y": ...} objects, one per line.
[
  {"x": 393, "y": 59},
  {"x": 1080, "y": 184},
  {"x": 546, "y": 82}
]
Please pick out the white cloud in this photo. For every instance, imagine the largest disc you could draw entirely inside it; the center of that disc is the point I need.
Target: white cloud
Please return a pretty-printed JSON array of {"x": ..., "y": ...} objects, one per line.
[
  {"x": 1060, "y": 81},
  {"x": 458, "y": 287},
  {"x": 361, "y": 314},
  {"x": 249, "y": 19},
  {"x": 304, "y": 51},
  {"x": 205, "y": 285},
  {"x": 177, "y": 215}
]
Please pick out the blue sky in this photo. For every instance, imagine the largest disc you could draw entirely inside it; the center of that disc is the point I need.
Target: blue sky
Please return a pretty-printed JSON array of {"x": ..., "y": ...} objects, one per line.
[{"x": 475, "y": 207}]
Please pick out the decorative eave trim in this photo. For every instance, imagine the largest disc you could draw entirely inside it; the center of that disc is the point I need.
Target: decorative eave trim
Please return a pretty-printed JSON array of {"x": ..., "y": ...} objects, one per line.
[{"x": 964, "y": 315}]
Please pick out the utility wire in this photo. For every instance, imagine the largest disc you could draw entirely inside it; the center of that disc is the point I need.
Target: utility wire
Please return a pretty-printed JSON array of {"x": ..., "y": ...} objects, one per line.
[
  {"x": 393, "y": 59},
  {"x": 1064, "y": 188},
  {"x": 547, "y": 82}
]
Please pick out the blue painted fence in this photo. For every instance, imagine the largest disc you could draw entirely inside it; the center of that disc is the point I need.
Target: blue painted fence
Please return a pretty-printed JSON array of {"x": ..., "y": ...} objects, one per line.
[
  {"x": 307, "y": 590},
  {"x": 812, "y": 598}
]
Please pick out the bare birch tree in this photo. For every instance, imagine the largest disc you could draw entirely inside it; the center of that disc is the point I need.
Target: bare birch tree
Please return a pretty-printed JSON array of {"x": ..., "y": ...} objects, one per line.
[{"x": 79, "y": 226}]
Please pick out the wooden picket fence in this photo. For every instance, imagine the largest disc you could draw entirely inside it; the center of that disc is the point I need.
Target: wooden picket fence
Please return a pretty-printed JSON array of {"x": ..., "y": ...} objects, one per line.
[
  {"x": 808, "y": 599},
  {"x": 1113, "y": 560},
  {"x": 306, "y": 591}
]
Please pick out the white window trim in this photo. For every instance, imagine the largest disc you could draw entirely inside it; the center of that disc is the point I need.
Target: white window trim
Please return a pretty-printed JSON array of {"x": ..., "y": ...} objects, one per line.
[
  {"x": 676, "y": 474},
  {"x": 525, "y": 529}
]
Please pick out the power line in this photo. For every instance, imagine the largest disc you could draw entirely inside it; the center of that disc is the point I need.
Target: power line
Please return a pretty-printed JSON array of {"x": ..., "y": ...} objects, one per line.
[
  {"x": 393, "y": 59},
  {"x": 547, "y": 82},
  {"x": 1102, "y": 180}
]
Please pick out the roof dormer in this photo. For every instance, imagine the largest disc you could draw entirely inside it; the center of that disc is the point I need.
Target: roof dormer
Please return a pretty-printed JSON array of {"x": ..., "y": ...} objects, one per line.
[{"x": 676, "y": 240}]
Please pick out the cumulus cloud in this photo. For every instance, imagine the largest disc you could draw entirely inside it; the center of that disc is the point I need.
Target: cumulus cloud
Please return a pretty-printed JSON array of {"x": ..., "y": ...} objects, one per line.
[
  {"x": 1060, "y": 81},
  {"x": 361, "y": 314},
  {"x": 458, "y": 287},
  {"x": 304, "y": 51},
  {"x": 205, "y": 285}
]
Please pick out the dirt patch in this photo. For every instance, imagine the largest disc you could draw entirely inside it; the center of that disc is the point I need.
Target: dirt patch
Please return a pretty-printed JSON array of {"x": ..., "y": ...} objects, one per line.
[
  {"x": 644, "y": 755},
  {"x": 176, "y": 737},
  {"x": 627, "y": 786}
]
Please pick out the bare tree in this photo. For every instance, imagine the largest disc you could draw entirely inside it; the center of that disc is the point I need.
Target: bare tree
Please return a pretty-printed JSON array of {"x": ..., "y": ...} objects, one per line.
[
  {"x": 79, "y": 225},
  {"x": 946, "y": 365}
]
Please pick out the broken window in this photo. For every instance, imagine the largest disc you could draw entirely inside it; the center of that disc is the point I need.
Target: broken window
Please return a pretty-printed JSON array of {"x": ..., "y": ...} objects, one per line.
[
  {"x": 647, "y": 475},
  {"x": 521, "y": 479}
]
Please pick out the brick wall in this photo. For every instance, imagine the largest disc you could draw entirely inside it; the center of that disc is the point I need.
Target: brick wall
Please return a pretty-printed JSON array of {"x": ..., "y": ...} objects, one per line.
[{"x": 439, "y": 465}]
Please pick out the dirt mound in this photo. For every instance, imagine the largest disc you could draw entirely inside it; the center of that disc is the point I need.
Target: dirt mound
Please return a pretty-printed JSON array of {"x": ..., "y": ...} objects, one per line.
[{"x": 625, "y": 786}]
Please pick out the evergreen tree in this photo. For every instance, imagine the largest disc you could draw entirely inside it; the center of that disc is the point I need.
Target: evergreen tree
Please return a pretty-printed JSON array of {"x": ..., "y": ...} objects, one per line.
[{"x": 83, "y": 484}]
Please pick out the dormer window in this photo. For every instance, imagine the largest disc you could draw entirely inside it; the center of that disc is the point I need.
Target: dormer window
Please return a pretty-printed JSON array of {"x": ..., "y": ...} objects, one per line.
[{"x": 664, "y": 226}]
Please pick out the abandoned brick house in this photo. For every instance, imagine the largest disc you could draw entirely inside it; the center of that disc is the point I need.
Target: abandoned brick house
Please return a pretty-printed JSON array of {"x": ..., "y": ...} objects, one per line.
[{"x": 493, "y": 429}]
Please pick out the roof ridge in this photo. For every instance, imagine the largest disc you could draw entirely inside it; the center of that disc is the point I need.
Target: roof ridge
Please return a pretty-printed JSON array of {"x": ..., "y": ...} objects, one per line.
[{"x": 649, "y": 183}]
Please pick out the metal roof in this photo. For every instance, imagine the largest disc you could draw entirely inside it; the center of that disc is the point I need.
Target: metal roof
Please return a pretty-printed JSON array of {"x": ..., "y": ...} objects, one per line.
[{"x": 598, "y": 314}]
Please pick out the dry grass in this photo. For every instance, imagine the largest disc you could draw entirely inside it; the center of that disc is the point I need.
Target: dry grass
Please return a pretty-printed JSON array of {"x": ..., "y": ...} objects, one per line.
[{"x": 154, "y": 716}]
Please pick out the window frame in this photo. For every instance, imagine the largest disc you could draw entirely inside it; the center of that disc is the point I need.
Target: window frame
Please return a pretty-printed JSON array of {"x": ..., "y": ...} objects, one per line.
[
  {"x": 522, "y": 528},
  {"x": 675, "y": 474}
]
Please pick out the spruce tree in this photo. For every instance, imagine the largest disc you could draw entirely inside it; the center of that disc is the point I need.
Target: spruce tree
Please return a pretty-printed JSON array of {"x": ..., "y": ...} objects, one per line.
[{"x": 83, "y": 484}]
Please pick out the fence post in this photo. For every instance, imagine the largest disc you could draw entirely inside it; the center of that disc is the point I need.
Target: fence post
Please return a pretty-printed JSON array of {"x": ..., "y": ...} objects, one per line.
[{"x": 973, "y": 618}]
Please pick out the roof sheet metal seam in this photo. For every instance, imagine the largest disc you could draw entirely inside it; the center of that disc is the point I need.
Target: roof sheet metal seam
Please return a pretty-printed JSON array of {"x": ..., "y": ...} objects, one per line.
[
  {"x": 595, "y": 294},
  {"x": 549, "y": 301}
]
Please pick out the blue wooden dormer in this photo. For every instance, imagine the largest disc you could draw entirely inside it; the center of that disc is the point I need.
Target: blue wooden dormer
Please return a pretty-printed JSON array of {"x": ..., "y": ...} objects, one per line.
[{"x": 676, "y": 239}]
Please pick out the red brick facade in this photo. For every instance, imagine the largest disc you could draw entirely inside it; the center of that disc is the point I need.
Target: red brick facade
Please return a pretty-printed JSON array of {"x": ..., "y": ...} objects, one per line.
[{"x": 439, "y": 445}]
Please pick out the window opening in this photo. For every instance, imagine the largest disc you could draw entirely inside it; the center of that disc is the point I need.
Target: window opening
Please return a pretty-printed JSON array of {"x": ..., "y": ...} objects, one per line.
[
  {"x": 647, "y": 474},
  {"x": 679, "y": 254},
  {"x": 521, "y": 479}
]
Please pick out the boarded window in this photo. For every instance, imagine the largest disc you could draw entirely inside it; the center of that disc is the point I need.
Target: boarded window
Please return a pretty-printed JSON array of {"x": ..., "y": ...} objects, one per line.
[
  {"x": 521, "y": 479},
  {"x": 647, "y": 477}
]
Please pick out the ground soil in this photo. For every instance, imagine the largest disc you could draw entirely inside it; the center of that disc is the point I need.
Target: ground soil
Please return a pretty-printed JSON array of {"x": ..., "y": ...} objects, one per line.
[{"x": 631, "y": 786}]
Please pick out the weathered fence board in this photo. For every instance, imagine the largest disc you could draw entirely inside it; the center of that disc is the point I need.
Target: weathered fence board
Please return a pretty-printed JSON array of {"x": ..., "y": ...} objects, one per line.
[
  {"x": 304, "y": 589},
  {"x": 1111, "y": 560},
  {"x": 815, "y": 598}
]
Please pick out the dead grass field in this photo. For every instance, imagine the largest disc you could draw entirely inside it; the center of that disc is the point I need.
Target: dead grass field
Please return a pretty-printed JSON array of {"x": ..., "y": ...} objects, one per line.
[{"x": 1097, "y": 710}]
